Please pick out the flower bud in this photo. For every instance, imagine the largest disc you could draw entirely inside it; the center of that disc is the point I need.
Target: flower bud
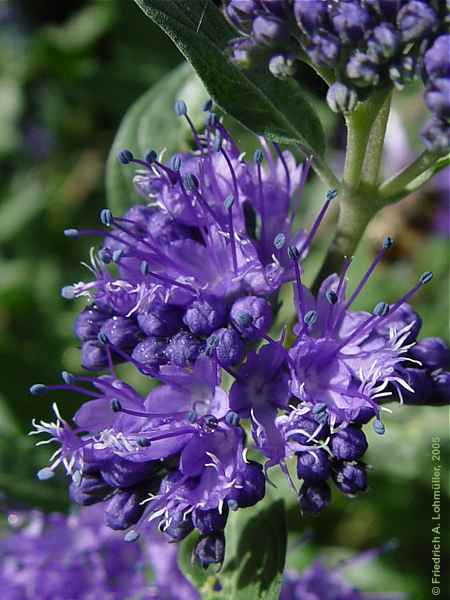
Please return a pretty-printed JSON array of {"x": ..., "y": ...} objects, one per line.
[
  {"x": 250, "y": 486},
  {"x": 183, "y": 349},
  {"x": 229, "y": 347},
  {"x": 436, "y": 135},
  {"x": 88, "y": 323},
  {"x": 313, "y": 467},
  {"x": 362, "y": 71},
  {"x": 210, "y": 520},
  {"x": 124, "y": 509},
  {"x": 121, "y": 332},
  {"x": 351, "y": 477},
  {"x": 416, "y": 19},
  {"x": 341, "y": 98},
  {"x": 269, "y": 31},
  {"x": 93, "y": 356},
  {"x": 314, "y": 498},
  {"x": 179, "y": 527},
  {"x": 437, "y": 98},
  {"x": 432, "y": 352},
  {"x": 420, "y": 381},
  {"x": 89, "y": 489},
  {"x": 122, "y": 473},
  {"x": 151, "y": 352},
  {"x": 324, "y": 49},
  {"x": 350, "y": 21},
  {"x": 383, "y": 44},
  {"x": 310, "y": 15},
  {"x": 202, "y": 318},
  {"x": 210, "y": 550},
  {"x": 349, "y": 443},
  {"x": 437, "y": 58},
  {"x": 283, "y": 66},
  {"x": 252, "y": 316},
  {"x": 441, "y": 388},
  {"x": 162, "y": 322}
]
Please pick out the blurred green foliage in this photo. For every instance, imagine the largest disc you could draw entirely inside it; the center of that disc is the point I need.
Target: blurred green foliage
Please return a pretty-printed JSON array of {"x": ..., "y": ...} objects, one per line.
[{"x": 69, "y": 70}]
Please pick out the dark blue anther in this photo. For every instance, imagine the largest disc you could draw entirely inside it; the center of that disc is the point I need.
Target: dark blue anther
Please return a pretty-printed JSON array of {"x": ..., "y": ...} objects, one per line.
[
  {"x": 115, "y": 405},
  {"x": 106, "y": 217},
  {"x": 175, "y": 162},
  {"x": 378, "y": 427},
  {"x": 131, "y": 536},
  {"x": 331, "y": 194},
  {"x": 426, "y": 277},
  {"x": 279, "y": 241},
  {"x": 45, "y": 474},
  {"x": 117, "y": 255},
  {"x": 68, "y": 377},
  {"x": 258, "y": 156},
  {"x": 381, "y": 309},
  {"x": 38, "y": 389},
  {"x": 232, "y": 418},
  {"x": 293, "y": 253},
  {"x": 150, "y": 157},
  {"x": 125, "y": 157},
  {"x": 229, "y": 201},
  {"x": 191, "y": 182},
  {"x": 72, "y": 233},
  {"x": 68, "y": 292},
  {"x": 180, "y": 108},
  {"x": 310, "y": 318},
  {"x": 144, "y": 442},
  {"x": 331, "y": 296},
  {"x": 207, "y": 107},
  {"x": 102, "y": 338}
]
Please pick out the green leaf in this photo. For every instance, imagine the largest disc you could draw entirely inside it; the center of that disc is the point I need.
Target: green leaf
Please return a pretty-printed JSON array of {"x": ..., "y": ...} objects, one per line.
[
  {"x": 151, "y": 123},
  {"x": 413, "y": 177},
  {"x": 255, "y": 552},
  {"x": 267, "y": 106}
]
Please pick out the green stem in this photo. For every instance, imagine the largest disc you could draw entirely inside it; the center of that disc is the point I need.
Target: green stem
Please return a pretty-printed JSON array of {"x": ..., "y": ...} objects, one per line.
[
  {"x": 358, "y": 202},
  {"x": 360, "y": 125},
  {"x": 412, "y": 176}
]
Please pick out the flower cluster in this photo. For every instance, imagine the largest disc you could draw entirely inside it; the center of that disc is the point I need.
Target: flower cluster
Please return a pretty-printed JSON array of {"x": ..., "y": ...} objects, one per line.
[
  {"x": 365, "y": 44},
  {"x": 199, "y": 267},
  {"x": 197, "y": 270}
]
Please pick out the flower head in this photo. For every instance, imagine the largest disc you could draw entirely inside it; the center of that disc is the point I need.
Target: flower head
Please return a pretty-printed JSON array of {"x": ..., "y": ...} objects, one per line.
[{"x": 203, "y": 256}]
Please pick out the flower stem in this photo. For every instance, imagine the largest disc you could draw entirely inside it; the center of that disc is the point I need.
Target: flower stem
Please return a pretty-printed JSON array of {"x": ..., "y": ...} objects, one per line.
[{"x": 358, "y": 200}]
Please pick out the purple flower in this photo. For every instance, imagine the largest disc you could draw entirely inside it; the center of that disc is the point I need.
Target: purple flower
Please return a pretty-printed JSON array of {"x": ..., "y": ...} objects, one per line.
[
  {"x": 183, "y": 266},
  {"x": 343, "y": 360}
]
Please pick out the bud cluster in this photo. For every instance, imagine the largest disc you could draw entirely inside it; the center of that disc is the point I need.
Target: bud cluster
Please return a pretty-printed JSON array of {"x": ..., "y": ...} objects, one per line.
[{"x": 365, "y": 44}]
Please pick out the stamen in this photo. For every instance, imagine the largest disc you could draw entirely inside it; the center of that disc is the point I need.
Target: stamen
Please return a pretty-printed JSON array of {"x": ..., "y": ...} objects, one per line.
[
  {"x": 294, "y": 255},
  {"x": 181, "y": 111},
  {"x": 229, "y": 201},
  {"x": 331, "y": 195},
  {"x": 388, "y": 243}
]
